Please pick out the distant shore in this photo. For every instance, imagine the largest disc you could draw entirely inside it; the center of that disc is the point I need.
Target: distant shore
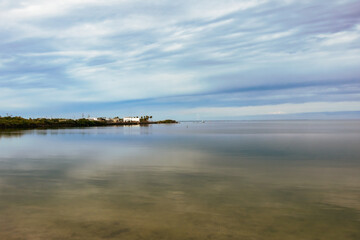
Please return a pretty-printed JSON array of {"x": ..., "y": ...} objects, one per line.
[{"x": 43, "y": 123}]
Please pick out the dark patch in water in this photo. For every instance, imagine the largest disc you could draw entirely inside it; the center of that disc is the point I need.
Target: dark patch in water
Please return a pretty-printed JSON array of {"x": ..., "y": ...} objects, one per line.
[{"x": 116, "y": 233}]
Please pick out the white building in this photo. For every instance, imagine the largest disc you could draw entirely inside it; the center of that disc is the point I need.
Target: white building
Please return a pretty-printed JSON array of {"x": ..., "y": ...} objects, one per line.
[
  {"x": 131, "y": 119},
  {"x": 93, "y": 119}
]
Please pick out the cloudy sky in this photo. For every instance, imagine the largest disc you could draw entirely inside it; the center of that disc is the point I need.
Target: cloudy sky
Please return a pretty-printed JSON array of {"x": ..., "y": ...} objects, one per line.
[{"x": 200, "y": 59}]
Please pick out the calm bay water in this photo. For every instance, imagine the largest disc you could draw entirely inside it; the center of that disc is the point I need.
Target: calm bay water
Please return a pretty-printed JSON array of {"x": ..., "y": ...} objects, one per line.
[{"x": 214, "y": 180}]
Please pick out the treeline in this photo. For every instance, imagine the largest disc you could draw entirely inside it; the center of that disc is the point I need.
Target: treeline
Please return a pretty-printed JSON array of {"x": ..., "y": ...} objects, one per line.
[
  {"x": 19, "y": 122},
  {"x": 145, "y": 118},
  {"x": 10, "y": 122},
  {"x": 167, "y": 121}
]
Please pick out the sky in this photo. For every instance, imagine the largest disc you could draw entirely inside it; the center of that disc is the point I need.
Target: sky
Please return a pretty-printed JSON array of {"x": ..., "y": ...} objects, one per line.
[{"x": 186, "y": 60}]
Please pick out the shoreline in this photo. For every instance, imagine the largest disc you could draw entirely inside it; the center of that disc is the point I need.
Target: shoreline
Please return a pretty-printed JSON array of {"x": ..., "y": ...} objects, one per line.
[{"x": 14, "y": 123}]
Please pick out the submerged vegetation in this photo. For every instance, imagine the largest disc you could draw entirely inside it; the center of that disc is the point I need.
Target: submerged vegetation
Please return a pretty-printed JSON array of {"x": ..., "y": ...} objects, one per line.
[{"x": 10, "y": 122}]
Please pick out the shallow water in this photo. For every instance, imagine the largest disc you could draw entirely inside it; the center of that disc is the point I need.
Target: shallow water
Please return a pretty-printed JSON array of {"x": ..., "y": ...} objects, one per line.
[{"x": 214, "y": 180}]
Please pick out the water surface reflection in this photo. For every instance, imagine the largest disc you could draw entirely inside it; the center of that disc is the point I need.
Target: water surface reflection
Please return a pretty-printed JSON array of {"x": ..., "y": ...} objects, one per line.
[{"x": 218, "y": 180}]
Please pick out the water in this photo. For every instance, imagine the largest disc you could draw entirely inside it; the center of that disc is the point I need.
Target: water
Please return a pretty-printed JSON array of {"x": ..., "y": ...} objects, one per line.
[{"x": 214, "y": 180}]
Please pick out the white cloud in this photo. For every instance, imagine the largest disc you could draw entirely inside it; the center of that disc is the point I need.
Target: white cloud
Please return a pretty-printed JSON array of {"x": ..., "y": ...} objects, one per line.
[
  {"x": 338, "y": 38},
  {"x": 212, "y": 9},
  {"x": 173, "y": 47},
  {"x": 106, "y": 84},
  {"x": 103, "y": 51},
  {"x": 273, "y": 36},
  {"x": 87, "y": 54},
  {"x": 11, "y": 99},
  {"x": 42, "y": 9}
]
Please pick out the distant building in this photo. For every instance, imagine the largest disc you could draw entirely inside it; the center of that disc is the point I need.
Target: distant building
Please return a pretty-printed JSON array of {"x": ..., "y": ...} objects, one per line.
[
  {"x": 93, "y": 119},
  {"x": 131, "y": 119},
  {"x": 116, "y": 119}
]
